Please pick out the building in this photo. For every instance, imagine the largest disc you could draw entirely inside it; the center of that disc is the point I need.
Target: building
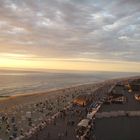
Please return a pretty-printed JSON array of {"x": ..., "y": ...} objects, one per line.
[{"x": 82, "y": 100}]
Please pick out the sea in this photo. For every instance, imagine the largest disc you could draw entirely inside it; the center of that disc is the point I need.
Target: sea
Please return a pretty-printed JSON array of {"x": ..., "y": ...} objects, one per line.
[{"x": 15, "y": 82}]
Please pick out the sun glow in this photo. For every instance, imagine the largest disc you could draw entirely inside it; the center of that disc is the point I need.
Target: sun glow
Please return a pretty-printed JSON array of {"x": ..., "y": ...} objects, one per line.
[{"x": 34, "y": 62}]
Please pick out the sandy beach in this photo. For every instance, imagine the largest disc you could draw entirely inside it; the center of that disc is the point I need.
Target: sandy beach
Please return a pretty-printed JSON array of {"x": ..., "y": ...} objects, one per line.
[
  {"x": 22, "y": 114},
  {"x": 7, "y": 102}
]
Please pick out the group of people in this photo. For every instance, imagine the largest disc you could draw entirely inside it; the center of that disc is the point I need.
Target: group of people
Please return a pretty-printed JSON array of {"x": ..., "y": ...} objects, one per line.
[{"x": 25, "y": 120}]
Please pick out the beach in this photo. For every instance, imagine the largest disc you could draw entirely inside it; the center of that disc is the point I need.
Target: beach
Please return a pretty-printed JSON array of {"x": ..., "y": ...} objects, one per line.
[
  {"x": 23, "y": 115},
  {"x": 27, "y": 111},
  {"x": 8, "y": 101}
]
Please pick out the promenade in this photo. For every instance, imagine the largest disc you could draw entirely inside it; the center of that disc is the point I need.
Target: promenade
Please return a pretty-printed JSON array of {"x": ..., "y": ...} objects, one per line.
[{"x": 62, "y": 127}]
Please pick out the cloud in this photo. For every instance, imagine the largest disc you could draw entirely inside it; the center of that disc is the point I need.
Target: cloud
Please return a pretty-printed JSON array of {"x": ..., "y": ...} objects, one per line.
[{"x": 104, "y": 30}]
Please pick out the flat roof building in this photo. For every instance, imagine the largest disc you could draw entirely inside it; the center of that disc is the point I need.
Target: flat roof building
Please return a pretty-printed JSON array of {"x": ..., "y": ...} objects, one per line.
[{"x": 82, "y": 100}]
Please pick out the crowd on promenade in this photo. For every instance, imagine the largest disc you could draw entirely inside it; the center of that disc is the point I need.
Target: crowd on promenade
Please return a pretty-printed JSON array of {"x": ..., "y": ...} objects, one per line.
[{"x": 63, "y": 125}]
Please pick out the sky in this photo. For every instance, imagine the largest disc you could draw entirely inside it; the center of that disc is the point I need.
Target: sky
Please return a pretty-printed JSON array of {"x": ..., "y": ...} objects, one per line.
[{"x": 89, "y": 35}]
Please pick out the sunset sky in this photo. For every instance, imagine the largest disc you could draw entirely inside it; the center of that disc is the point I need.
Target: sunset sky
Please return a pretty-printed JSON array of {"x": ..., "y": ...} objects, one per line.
[{"x": 70, "y": 34}]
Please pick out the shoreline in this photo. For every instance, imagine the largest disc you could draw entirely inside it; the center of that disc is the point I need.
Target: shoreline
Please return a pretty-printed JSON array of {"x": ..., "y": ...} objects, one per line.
[
  {"x": 24, "y": 99},
  {"x": 65, "y": 87},
  {"x": 72, "y": 86}
]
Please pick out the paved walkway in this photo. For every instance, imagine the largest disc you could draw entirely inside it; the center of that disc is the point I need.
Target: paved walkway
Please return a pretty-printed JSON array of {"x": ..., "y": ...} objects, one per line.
[
  {"x": 119, "y": 127},
  {"x": 63, "y": 127}
]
